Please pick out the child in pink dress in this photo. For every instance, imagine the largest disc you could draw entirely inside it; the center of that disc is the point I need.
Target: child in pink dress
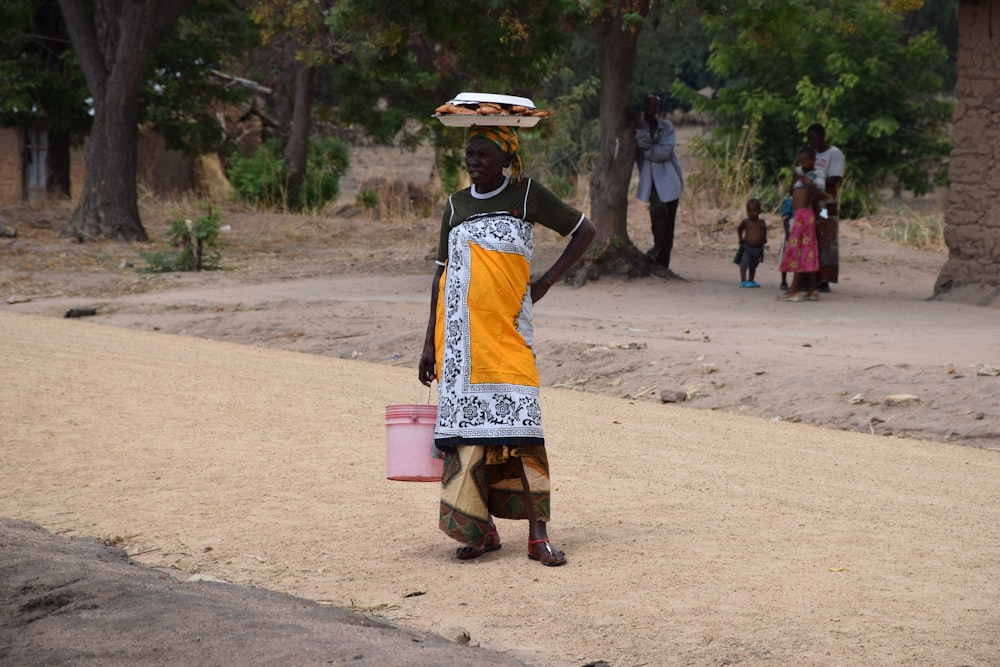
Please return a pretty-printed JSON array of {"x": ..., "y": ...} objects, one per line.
[{"x": 801, "y": 253}]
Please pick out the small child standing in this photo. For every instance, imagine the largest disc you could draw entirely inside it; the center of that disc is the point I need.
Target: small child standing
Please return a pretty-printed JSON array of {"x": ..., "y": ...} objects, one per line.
[
  {"x": 752, "y": 234},
  {"x": 801, "y": 254}
]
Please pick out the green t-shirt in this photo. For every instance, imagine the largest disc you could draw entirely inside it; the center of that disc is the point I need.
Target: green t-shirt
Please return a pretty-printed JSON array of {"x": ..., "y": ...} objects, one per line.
[{"x": 528, "y": 200}]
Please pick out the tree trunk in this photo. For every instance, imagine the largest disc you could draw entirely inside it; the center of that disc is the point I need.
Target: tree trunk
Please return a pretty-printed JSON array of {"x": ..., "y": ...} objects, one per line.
[
  {"x": 972, "y": 226},
  {"x": 113, "y": 40},
  {"x": 609, "y": 183},
  {"x": 297, "y": 150},
  {"x": 108, "y": 206}
]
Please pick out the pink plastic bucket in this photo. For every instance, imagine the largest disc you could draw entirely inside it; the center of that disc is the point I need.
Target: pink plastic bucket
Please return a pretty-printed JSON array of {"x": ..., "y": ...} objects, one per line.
[{"x": 409, "y": 431}]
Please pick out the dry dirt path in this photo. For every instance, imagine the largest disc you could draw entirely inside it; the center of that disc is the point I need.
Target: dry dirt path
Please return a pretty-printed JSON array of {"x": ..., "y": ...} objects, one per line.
[
  {"x": 719, "y": 535},
  {"x": 695, "y": 537},
  {"x": 351, "y": 293}
]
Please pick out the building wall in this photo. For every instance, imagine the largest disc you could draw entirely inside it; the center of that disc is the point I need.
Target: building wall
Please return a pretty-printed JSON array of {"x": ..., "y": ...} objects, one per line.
[
  {"x": 11, "y": 173},
  {"x": 77, "y": 170},
  {"x": 160, "y": 170},
  {"x": 12, "y": 168},
  {"x": 972, "y": 216}
]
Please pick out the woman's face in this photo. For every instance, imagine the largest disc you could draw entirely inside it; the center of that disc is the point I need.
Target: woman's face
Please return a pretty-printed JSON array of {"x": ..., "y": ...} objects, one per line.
[{"x": 485, "y": 163}]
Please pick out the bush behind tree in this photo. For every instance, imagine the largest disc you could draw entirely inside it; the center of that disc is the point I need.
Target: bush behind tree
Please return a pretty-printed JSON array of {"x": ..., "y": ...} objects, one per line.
[{"x": 263, "y": 178}]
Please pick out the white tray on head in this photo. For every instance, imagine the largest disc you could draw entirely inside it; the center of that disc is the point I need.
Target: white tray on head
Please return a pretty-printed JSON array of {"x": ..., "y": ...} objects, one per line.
[
  {"x": 470, "y": 119},
  {"x": 475, "y": 98}
]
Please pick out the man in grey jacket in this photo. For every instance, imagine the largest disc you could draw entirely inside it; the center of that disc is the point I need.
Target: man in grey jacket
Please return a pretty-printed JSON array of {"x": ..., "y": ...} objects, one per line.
[{"x": 660, "y": 179}]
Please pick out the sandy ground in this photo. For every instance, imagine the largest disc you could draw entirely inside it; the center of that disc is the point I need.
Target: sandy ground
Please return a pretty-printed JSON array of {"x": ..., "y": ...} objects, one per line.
[{"x": 231, "y": 424}]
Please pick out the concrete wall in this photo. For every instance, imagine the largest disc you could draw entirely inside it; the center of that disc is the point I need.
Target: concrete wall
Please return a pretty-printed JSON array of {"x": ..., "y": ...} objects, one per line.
[{"x": 972, "y": 217}]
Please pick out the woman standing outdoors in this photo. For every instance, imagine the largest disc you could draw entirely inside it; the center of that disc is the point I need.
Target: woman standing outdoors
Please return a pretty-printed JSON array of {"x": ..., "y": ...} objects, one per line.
[{"x": 479, "y": 347}]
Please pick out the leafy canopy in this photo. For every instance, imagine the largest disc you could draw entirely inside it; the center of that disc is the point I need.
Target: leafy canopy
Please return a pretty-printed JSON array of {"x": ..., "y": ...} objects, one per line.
[
  {"x": 846, "y": 64},
  {"x": 41, "y": 80},
  {"x": 400, "y": 60}
]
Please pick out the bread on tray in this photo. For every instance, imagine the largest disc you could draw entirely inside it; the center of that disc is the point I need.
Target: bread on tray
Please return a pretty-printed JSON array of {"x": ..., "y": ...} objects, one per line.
[{"x": 491, "y": 109}]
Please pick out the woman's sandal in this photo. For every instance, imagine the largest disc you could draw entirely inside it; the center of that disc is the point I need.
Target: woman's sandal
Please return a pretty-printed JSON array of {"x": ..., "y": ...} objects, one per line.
[
  {"x": 790, "y": 297},
  {"x": 813, "y": 296},
  {"x": 549, "y": 556},
  {"x": 468, "y": 553}
]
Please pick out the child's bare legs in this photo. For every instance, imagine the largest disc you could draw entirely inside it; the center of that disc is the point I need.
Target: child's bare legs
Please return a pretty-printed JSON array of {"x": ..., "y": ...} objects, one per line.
[
  {"x": 796, "y": 286},
  {"x": 811, "y": 282},
  {"x": 792, "y": 294}
]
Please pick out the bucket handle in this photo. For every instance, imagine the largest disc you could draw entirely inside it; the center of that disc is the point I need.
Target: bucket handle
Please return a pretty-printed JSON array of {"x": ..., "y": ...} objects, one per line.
[
  {"x": 435, "y": 452},
  {"x": 420, "y": 396}
]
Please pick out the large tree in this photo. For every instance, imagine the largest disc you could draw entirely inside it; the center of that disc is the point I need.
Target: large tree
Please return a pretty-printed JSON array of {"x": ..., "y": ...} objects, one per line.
[
  {"x": 113, "y": 40},
  {"x": 617, "y": 31},
  {"x": 617, "y": 27},
  {"x": 296, "y": 32}
]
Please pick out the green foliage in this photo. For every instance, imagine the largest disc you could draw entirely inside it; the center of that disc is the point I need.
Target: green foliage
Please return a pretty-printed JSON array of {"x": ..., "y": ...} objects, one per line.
[
  {"x": 941, "y": 18},
  {"x": 450, "y": 162},
  {"x": 180, "y": 92},
  {"x": 562, "y": 151},
  {"x": 40, "y": 78},
  {"x": 262, "y": 178},
  {"x": 728, "y": 172},
  {"x": 327, "y": 162},
  {"x": 855, "y": 202},
  {"x": 398, "y": 61},
  {"x": 673, "y": 46},
  {"x": 192, "y": 245},
  {"x": 367, "y": 199},
  {"x": 789, "y": 63},
  {"x": 560, "y": 186}
]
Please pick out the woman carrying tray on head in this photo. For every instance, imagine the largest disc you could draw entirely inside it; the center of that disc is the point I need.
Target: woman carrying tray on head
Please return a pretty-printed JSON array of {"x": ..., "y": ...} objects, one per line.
[{"x": 479, "y": 347}]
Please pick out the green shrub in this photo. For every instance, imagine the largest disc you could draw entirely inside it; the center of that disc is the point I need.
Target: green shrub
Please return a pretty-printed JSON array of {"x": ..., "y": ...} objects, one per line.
[
  {"x": 367, "y": 199},
  {"x": 192, "y": 245},
  {"x": 327, "y": 162},
  {"x": 263, "y": 178}
]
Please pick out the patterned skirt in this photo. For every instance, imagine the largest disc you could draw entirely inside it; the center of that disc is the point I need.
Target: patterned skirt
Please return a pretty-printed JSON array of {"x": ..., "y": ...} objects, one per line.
[
  {"x": 827, "y": 233},
  {"x": 801, "y": 254},
  {"x": 480, "y": 482}
]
